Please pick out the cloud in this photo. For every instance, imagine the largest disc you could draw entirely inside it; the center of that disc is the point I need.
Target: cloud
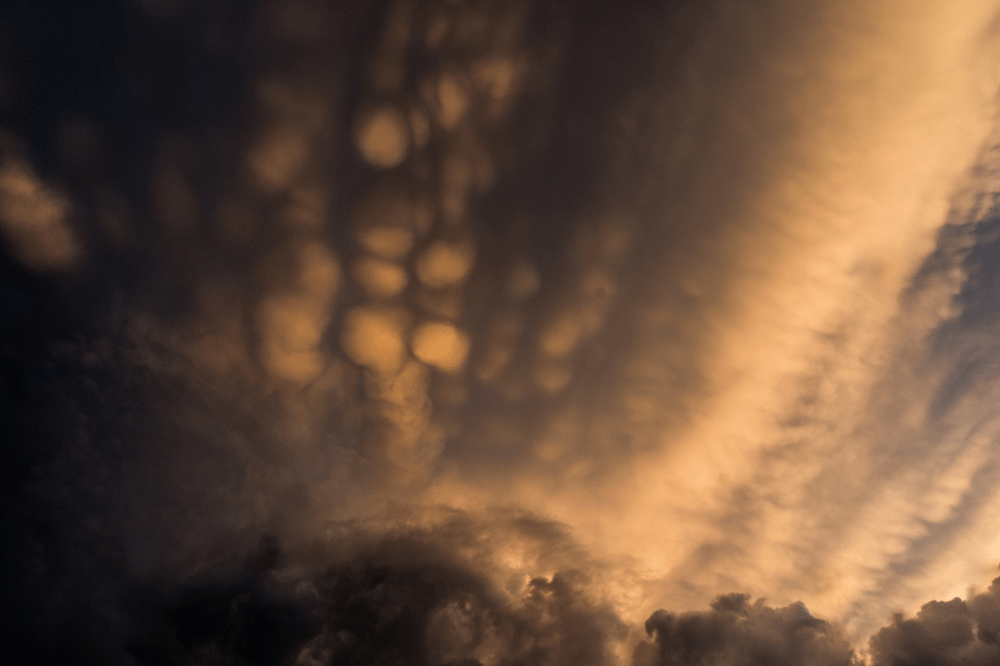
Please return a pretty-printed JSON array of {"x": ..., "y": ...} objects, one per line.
[
  {"x": 34, "y": 216},
  {"x": 734, "y": 631},
  {"x": 408, "y": 601},
  {"x": 418, "y": 595},
  {"x": 413, "y": 595},
  {"x": 943, "y": 633},
  {"x": 705, "y": 284},
  {"x": 240, "y": 614},
  {"x": 737, "y": 632}
]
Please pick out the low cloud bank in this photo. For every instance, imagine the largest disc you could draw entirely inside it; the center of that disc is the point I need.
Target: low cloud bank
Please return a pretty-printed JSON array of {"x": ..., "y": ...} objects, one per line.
[
  {"x": 417, "y": 597},
  {"x": 735, "y": 631},
  {"x": 945, "y": 633}
]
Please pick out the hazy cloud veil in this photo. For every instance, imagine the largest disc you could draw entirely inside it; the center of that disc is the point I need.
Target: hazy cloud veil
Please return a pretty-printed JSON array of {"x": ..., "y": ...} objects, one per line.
[{"x": 482, "y": 333}]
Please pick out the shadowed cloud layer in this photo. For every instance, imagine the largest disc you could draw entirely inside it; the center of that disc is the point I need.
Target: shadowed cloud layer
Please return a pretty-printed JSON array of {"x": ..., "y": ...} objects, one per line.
[
  {"x": 736, "y": 632},
  {"x": 943, "y": 632}
]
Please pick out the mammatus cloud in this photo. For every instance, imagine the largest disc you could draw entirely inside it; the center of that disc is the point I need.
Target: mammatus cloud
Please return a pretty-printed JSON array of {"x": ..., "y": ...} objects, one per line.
[{"x": 512, "y": 322}]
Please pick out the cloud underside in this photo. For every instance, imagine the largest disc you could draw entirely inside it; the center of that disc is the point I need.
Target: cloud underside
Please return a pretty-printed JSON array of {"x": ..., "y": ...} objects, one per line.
[{"x": 524, "y": 330}]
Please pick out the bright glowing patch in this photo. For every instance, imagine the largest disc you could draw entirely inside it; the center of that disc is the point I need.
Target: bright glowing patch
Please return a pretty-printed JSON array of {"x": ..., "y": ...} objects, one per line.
[
  {"x": 386, "y": 242},
  {"x": 383, "y": 137},
  {"x": 440, "y": 345},
  {"x": 32, "y": 217},
  {"x": 445, "y": 264},
  {"x": 373, "y": 337},
  {"x": 378, "y": 278}
]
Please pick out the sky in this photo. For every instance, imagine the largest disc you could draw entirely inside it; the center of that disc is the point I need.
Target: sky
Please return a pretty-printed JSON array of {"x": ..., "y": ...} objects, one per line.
[{"x": 482, "y": 333}]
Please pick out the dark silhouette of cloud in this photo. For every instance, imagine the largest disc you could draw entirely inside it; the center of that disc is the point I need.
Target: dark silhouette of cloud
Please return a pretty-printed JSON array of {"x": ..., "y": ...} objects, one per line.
[
  {"x": 402, "y": 599},
  {"x": 240, "y": 615},
  {"x": 737, "y": 633},
  {"x": 943, "y": 633},
  {"x": 408, "y": 602}
]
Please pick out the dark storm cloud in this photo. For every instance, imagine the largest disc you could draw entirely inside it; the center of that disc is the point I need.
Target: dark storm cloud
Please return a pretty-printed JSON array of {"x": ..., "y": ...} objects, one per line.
[
  {"x": 209, "y": 331},
  {"x": 409, "y": 601},
  {"x": 239, "y": 613},
  {"x": 136, "y": 371},
  {"x": 943, "y": 633},
  {"x": 737, "y": 633},
  {"x": 404, "y": 598}
]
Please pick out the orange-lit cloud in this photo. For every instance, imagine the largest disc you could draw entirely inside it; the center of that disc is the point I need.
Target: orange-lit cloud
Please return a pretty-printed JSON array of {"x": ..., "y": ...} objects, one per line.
[
  {"x": 585, "y": 336},
  {"x": 33, "y": 217}
]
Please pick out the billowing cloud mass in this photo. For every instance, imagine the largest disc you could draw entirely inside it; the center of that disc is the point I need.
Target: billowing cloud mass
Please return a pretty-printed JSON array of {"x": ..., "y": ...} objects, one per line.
[
  {"x": 944, "y": 632},
  {"x": 497, "y": 332},
  {"x": 737, "y": 632}
]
